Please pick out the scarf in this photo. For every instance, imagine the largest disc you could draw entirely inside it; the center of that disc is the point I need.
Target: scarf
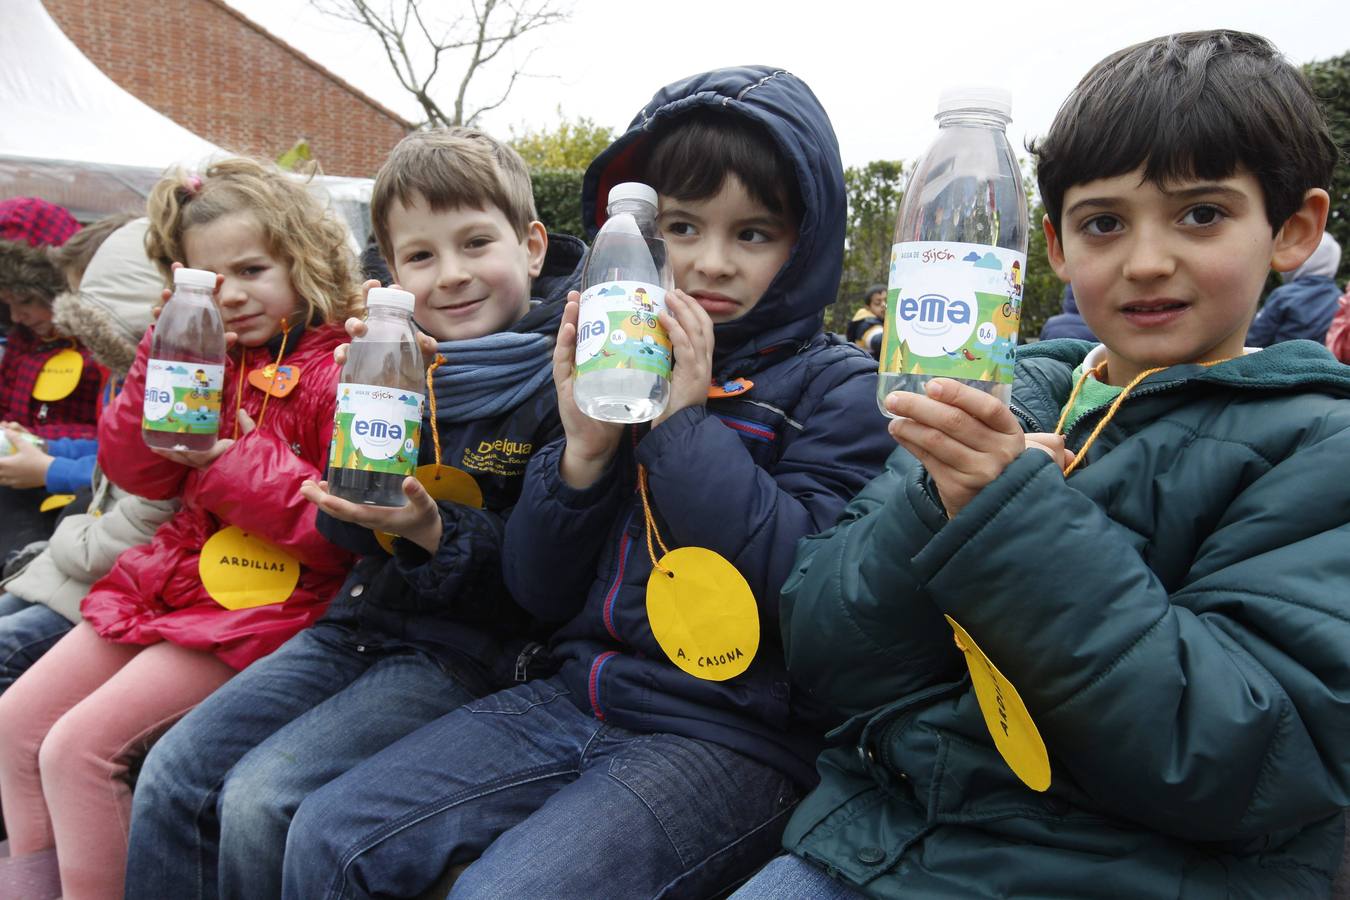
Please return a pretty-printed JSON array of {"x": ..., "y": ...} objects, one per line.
[{"x": 491, "y": 375}]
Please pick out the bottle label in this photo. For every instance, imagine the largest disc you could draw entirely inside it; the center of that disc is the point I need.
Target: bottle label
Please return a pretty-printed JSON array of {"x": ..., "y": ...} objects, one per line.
[
  {"x": 182, "y": 397},
  {"x": 617, "y": 329},
  {"x": 376, "y": 429},
  {"x": 952, "y": 309}
]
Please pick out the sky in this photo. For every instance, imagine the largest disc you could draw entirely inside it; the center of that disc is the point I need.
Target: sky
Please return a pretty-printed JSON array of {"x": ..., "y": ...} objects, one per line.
[{"x": 877, "y": 67}]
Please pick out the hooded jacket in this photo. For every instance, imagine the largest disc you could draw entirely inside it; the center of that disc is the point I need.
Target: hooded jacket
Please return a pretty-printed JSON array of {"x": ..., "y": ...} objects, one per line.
[
  {"x": 1172, "y": 615},
  {"x": 109, "y": 314},
  {"x": 1302, "y": 307},
  {"x": 154, "y": 591},
  {"x": 26, "y": 271},
  {"x": 746, "y": 476},
  {"x": 453, "y": 604},
  {"x": 1069, "y": 323}
]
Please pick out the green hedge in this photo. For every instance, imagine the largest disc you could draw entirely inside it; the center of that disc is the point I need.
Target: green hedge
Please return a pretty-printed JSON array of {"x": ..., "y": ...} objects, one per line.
[{"x": 557, "y": 196}]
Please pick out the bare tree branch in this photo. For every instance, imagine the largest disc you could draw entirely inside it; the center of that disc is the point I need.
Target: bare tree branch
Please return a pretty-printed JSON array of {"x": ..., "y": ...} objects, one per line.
[{"x": 419, "y": 57}]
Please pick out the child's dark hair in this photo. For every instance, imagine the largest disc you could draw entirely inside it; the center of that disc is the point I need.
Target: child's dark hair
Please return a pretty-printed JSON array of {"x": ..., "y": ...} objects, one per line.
[
  {"x": 690, "y": 159},
  {"x": 1199, "y": 105}
]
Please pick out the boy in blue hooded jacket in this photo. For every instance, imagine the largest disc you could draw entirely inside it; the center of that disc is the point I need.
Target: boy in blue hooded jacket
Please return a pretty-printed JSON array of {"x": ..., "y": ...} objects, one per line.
[
  {"x": 1162, "y": 592},
  {"x": 632, "y": 773}
]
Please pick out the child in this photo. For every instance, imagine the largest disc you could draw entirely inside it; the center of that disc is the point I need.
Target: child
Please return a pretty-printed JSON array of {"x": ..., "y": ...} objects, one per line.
[
  {"x": 155, "y": 639},
  {"x": 108, "y": 312},
  {"x": 1170, "y": 607},
  {"x": 623, "y": 775},
  {"x": 413, "y": 635}
]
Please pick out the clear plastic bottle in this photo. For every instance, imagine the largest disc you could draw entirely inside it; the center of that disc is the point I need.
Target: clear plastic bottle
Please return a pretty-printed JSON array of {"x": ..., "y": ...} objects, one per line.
[
  {"x": 623, "y": 353},
  {"x": 378, "y": 420},
  {"x": 185, "y": 373},
  {"x": 960, "y": 254}
]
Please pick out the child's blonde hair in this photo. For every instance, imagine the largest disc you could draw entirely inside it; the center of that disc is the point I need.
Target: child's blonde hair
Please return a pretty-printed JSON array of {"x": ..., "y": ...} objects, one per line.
[
  {"x": 452, "y": 167},
  {"x": 296, "y": 228}
]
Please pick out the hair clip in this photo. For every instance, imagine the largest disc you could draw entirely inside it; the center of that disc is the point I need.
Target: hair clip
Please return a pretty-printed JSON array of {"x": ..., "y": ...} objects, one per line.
[{"x": 193, "y": 185}]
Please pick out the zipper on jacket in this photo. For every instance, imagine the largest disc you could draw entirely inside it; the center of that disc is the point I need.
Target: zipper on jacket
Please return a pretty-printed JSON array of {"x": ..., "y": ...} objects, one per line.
[
  {"x": 1026, "y": 418},
  {"x": 625, "y": 547},
  {"x": 593, "y": 682}
]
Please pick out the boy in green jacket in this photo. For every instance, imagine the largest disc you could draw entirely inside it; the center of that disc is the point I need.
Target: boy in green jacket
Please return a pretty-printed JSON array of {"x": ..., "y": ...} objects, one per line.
[{"x": 1109, "y": 657}]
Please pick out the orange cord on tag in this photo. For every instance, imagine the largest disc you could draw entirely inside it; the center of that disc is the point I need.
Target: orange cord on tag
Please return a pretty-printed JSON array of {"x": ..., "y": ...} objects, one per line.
[
  {"x": 1099, "y": 372},
  {"x": 431, "y": 399},
  {"x": 651, "y": 525},
  {"x": 267, "y": 394}
]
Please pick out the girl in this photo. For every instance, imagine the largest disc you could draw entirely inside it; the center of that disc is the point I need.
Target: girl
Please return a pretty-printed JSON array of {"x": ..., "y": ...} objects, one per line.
[{"x": 169, "y": 624}]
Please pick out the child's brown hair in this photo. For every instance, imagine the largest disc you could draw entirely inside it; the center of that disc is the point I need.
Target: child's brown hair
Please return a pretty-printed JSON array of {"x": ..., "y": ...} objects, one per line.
[
  {"x": 452, "y": 167},
  {"x": 295, "y": 226}
]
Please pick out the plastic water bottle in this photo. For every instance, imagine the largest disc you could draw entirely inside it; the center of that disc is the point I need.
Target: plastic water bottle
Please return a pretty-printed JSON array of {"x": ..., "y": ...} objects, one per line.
[
  {"x": 623, "y": 354},
  {"x": 185, "y": 373},
  {"x": 960, "y": 254},
  {"x": 378, "y": 419}
]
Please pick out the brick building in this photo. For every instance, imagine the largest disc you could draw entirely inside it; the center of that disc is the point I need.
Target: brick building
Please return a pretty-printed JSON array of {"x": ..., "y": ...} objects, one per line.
[{"x": 213, "y": 71}]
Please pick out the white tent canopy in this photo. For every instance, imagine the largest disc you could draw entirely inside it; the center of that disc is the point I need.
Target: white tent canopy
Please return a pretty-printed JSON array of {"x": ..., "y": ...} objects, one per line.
[
  {"x": 72, "y": 136},
  {"x": 56, "y": 104}
]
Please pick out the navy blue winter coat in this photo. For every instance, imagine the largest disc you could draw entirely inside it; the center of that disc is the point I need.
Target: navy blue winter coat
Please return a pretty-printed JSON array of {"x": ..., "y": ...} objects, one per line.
[
  {"x": 453, "y": 604},
  {"x": 1069, "y": 323},
  {"x": 1301, "y": 309},
  {"x": 746, "y": 476}
]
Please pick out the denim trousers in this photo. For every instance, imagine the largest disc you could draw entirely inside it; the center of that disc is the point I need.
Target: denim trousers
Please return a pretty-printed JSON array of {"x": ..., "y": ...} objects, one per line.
[
  {"x": 790, "y": 877},
  {"x": 27, "y": 630},
  {"x": 216, "y": 794},
  {"x": 542, "y": 800}
]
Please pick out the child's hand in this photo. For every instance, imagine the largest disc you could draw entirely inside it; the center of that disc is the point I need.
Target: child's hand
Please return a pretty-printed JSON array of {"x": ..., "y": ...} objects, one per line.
[
  {"x": 591, "y": 444},
  {"x": 14, "y": 426},
  {"x": 200, "y": 459},
  {"x": 357, "y": 328},
  {"x": 965, "y": 438},
  {"x": 26, "y": 467},
  {"x": 166, "y": 294},
  {"x": 1053, "y": 444},
  {"x": 691, "y": 333},
  {"x": 419, "y": 521}
]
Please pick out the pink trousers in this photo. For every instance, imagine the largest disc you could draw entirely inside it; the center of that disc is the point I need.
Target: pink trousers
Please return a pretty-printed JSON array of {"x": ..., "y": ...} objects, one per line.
[{"x": 69, "y": 727}]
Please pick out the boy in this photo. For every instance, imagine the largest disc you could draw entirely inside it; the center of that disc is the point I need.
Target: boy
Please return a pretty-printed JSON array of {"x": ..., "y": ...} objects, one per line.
[
  {"x": 624, "y": 775},
  {"x": 412, "y": 635},
  {"x": 1170, "y": 607}
]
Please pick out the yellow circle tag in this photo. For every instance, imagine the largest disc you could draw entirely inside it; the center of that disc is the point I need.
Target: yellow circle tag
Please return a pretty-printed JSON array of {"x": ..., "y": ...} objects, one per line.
[
  {"x": 56, "y": 501},
  {"x": 442, "y": 483},
  {"x": 703, "y": 614},
  {"x": 59, "y": 376},
  {"x": 1005, "y": 715},
  {"x": 241, "y": 570}
]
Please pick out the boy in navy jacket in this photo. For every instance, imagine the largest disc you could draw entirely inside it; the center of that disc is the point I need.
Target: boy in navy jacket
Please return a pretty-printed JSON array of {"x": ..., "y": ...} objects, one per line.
[{"x": 665, "y": 768}]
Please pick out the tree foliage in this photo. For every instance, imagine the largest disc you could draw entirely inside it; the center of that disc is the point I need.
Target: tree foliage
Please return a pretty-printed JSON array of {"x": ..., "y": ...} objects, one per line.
[
  {"x": 557, "y": 199},
  {"x": 1331, "y": 83},
  {"x": 572, "y": 144},
  {"x": 874, "y": 193},
  {"x": 422, "y": 42}
]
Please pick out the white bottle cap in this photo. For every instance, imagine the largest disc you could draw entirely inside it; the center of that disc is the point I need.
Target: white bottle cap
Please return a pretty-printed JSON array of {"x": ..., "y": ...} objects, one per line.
[
  {"x": 632, "y": 190},
  {"x": 195, "y": 278},
  {"x": 398, "y": 299},
  {"x": 976, "y": 96}
]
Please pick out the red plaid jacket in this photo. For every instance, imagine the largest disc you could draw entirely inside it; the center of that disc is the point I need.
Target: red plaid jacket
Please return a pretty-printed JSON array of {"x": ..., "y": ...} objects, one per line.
[
  {"x": 35, "y": 222},
  {"x": 74, "y": 416}
]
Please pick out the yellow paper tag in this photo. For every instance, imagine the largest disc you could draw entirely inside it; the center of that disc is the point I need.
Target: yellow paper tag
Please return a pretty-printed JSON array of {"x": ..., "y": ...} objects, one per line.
[
  {"x": 442, "y": 483},
  {"x": 241, "y": 570},
  {"x": 59, "y": 376},
  {"x": 1005, "y": 715},
  {"x": 704, "y": 617},
  {"x": 56, "y": 501}
]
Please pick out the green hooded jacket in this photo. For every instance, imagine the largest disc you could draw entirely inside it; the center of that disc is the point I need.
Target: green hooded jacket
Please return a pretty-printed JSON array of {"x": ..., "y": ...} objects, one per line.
[{"x": 1175, "y": 616}]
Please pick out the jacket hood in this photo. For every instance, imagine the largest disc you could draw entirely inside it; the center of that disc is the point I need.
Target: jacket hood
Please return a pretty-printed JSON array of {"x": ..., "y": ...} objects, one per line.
[
  {"x": 28, "y": 272},
  {"x": 112, "y": 309},
  {"x": 791, "y": 310},
  {"x": 561, "y": 273},
  {"x": 1324, "y": 262},
  {"x": 1070, "y": 303}
]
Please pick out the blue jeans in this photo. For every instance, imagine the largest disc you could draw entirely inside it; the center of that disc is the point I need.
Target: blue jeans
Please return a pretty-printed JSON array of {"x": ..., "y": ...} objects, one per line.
[
  {"x": 217, "y": 792},
  {"x": 790, "y": 877},
  {"x": 27, "y": 630},
  {"x": 548, "y": 800}
]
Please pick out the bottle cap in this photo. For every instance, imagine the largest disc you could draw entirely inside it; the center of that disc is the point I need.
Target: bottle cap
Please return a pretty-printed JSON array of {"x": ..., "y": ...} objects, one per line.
[
  {"x": 398, "y": 299},
  {"x": 195, "y": 278},
  {"x": 976, "y": 96},
  {"x": 632, "y": 190}
]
